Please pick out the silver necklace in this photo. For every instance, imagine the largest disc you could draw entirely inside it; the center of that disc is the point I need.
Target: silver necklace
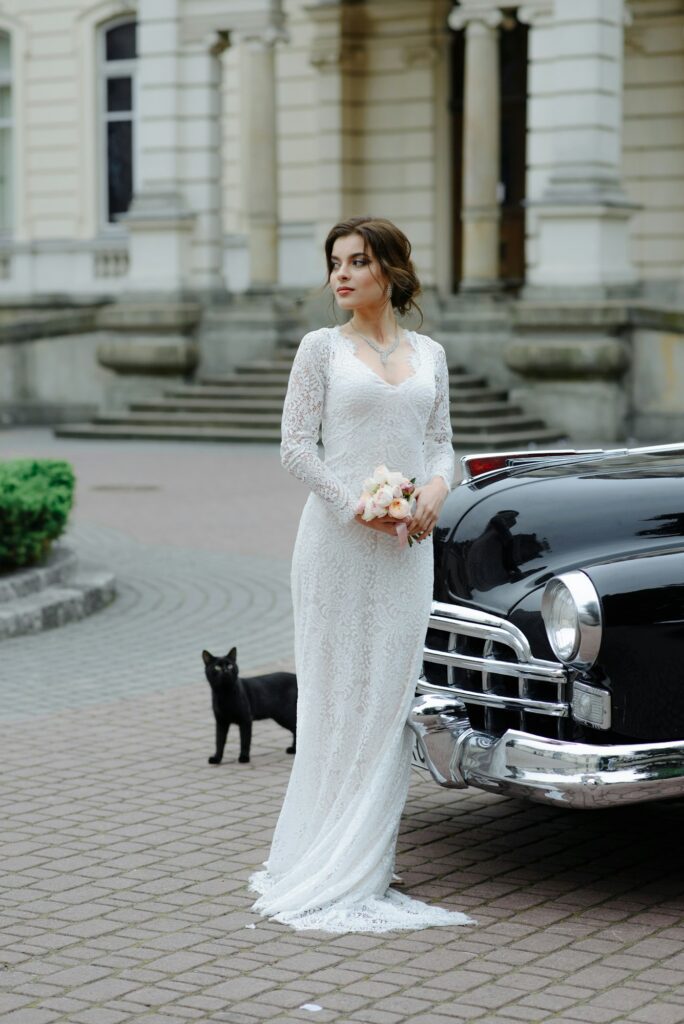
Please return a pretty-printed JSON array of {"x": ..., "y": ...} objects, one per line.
[{"x": 384, "y": 353}]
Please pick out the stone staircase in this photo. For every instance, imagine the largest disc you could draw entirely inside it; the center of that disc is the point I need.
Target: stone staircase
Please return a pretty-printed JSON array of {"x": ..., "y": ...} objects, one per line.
[{"x": 246, "y": 405}]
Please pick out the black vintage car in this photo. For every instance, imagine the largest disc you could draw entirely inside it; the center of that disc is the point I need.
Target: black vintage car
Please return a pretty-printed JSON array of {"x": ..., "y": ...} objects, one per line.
[{"x": 554, "y": 661}]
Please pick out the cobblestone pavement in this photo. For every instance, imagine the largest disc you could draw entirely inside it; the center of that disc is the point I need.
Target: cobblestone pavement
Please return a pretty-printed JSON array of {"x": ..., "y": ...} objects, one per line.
[{"x": 124, "y": 855}]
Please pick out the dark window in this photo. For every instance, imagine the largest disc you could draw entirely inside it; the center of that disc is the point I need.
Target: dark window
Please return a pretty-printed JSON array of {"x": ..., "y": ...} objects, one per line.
[
  {"x": 119, "y": 94},
  {"x": 119, "y": 166},
  {"x": 119, "y": 116},
  {"x": 120, "y": 42}
]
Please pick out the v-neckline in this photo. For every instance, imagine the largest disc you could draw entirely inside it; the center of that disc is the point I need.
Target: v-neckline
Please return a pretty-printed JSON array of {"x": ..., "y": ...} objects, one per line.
[{"x": 378, "y": 376}]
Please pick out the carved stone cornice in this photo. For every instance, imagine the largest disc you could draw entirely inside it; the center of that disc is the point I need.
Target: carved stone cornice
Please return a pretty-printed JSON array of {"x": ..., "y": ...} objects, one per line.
[
  {"x": 535, "y": 13},
  {"x": 266, "y": 26},
  {"x": 490, "y": 16},
  {"x": 259, "y": 38}
]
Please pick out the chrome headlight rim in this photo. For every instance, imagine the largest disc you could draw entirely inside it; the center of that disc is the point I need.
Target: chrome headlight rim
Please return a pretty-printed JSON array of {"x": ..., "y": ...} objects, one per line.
[{"x": 587, "y": 605}]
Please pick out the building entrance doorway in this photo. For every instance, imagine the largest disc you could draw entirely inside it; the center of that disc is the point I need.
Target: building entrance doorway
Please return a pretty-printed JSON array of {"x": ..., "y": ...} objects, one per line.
[{"x": 513, "y": 134}]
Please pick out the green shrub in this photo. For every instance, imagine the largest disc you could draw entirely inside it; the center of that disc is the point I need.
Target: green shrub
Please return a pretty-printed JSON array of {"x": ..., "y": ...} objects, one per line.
[{"x": 35, "y": 499}]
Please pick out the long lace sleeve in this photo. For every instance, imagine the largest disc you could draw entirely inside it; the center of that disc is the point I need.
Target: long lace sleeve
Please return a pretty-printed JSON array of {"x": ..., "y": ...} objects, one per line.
[
  {"x": 439, "y": 453},
  {"x": 302, "y": 414}
]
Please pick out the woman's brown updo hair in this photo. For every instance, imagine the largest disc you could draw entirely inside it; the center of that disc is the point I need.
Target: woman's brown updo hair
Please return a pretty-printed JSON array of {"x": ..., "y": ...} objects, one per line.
[{"x": 391, "y": 248}]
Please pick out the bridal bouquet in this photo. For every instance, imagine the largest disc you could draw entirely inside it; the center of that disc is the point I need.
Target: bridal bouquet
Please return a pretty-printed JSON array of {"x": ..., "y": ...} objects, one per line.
[{"x": 388, "y": 494}]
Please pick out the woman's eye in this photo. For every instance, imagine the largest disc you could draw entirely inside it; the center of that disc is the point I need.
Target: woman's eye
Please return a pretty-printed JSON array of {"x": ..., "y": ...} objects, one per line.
[{"x": 360, "y": 263}]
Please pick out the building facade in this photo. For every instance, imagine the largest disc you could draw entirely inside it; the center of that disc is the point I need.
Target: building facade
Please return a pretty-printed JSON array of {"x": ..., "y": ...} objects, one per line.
[{"x": 189, "y": 156}]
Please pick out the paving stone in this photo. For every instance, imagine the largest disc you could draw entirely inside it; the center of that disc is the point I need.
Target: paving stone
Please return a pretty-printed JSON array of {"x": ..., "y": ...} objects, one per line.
[{"x": 135, "y": 909}]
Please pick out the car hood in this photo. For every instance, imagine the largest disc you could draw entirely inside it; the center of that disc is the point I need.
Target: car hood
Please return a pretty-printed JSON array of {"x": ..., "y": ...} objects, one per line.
[{"x": 504, "y": 535}]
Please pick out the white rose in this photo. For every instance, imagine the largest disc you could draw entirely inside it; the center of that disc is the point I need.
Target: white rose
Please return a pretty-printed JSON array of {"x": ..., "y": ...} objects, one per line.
[
  {"x": 380, "y": 474},
  {"x": 383, "y": 496},
  {"x": 370, "y": 511}
]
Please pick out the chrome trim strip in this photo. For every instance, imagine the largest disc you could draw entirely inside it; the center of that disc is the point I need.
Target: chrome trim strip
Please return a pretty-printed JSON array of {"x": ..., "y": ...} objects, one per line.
[
  {"x": 461, "y": 621},
  {"x": 527, "y": 455},
  {"x": 487, "y": 632},
  {"x": 568, "y": 453},
  {"x": 495, "y": 700},
  {"x": 519, "y": 670},
  {"x": 556, "y": 772}
]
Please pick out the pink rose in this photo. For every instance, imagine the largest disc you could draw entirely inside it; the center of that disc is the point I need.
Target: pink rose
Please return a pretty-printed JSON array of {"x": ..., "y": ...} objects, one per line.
[{"x": 399, "y": 509}]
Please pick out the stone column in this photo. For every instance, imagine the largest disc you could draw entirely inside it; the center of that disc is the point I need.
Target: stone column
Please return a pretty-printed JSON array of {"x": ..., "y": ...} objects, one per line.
[
  {"x": 481, "y": 147},
  {"x": 258, "y": 154},
  {"x": 580, "y": 213}
]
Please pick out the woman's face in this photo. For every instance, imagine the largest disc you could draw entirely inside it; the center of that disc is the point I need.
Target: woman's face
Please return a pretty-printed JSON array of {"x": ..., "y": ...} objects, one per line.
[{"x": 356, "y": 278}]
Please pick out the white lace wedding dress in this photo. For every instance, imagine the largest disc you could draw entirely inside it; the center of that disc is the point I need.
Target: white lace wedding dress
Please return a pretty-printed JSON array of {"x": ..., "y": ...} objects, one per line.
[{"x": 361, "y": 605}]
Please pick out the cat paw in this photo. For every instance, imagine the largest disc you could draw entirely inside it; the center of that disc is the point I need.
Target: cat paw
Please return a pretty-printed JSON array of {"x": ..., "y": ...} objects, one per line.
[
  {"x": 291, "y": 750},
  {"x": 243, "y": 759},
  {"x": 214, "y": 760}
]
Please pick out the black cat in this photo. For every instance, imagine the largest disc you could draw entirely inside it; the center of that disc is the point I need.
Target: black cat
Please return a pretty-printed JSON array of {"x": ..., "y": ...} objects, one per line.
[{"x": 243, "y": 701}]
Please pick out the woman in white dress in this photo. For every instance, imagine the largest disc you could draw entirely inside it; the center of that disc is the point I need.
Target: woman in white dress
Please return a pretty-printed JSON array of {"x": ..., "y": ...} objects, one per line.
[{"x": 380, "y": 395}]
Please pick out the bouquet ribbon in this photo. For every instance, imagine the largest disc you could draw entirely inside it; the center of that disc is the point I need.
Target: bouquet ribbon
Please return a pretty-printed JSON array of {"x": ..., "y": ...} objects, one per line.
[{"x": 402, "y": 534}]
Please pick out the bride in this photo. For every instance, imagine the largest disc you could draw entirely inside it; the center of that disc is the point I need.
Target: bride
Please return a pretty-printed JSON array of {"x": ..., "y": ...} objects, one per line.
[{"x": 380, "y": 395}]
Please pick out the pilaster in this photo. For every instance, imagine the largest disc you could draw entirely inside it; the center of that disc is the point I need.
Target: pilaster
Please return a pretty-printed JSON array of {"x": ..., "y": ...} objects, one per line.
[{"x": 258, "y": 136}]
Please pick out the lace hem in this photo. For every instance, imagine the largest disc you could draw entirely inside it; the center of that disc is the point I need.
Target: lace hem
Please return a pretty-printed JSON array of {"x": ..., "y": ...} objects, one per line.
[{"x": 392, "y": 912}]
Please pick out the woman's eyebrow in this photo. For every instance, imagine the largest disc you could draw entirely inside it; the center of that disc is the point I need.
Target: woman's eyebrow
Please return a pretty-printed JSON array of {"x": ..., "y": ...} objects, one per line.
[{"x": 352, "y": 257}]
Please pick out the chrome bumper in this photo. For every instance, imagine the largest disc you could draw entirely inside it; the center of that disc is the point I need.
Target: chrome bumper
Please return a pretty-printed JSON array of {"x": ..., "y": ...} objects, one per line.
[{"x": 579, "y": 775}]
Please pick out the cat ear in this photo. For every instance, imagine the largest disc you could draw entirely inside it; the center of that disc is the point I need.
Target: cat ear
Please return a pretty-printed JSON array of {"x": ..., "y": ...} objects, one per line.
[
  {"x": 207, "y": 657},
  {"x": 232, "y": 654}
]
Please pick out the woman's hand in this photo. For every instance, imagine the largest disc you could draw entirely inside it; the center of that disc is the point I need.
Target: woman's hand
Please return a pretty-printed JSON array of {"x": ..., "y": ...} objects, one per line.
[
  {"x": 429, "y": 500},
  {"x": 384, "y": 524}
]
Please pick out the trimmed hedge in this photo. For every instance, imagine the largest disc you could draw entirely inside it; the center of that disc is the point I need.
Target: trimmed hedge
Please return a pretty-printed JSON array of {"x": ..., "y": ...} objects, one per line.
[{"x": 36, "y": 496}]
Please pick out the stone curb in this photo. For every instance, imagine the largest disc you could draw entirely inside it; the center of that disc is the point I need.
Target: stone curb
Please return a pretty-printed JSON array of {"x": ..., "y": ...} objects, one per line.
[
  {"x": 60, "y": 565},
  {"x": 64, "y": 590}
]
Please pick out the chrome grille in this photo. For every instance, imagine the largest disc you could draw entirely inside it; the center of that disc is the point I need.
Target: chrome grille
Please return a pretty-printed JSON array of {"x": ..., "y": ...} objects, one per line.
[{"x": 486, "y": 662}]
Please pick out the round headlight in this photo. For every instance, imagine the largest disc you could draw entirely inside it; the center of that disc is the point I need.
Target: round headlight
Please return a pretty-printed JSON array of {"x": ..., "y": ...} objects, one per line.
[{"x": 571, "y": 610}]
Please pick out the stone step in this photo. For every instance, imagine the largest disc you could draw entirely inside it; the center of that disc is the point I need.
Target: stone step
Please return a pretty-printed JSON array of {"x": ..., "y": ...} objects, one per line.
[
  {"x": 467, "y": 440},
  {"x": 500, "y": 410},
  {"x": 224, "y": 417},
  {"x": 256, "y": 366},
  {"x": 254, "y": 404},
  {"x": 504, "y": 440},
  {"x": 494, "y": 424},
  {"x": 166, "y": 433},
  {"x": 467, "y": 391},
  {"x": 248, "y": 377},
  {"x": 57, "y": 569},
  {"x": 226, "y": 380},
  {"x": 200, "y": 391},
  {"x": 174, "y": 418},
  {"x": 473, "y": 395},
  {"x": 88, "y": 591}
]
